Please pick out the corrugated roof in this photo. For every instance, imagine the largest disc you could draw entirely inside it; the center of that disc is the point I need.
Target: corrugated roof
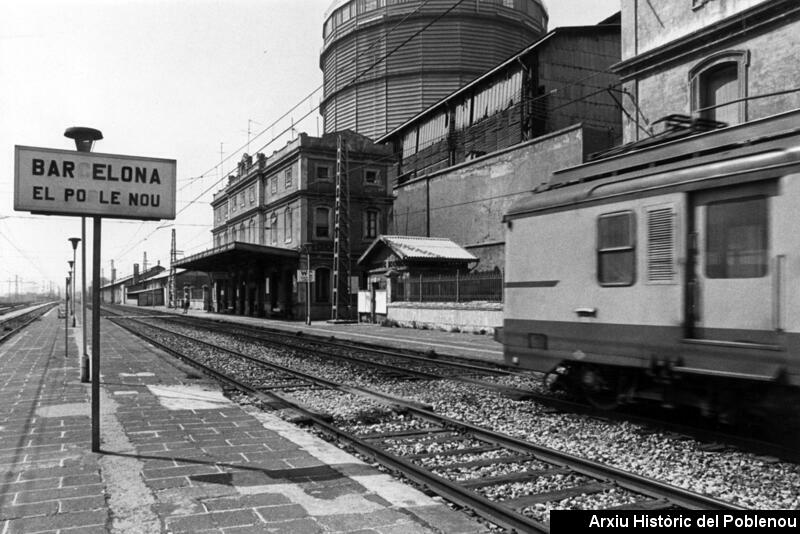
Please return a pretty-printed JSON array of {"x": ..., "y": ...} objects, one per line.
[{"x": 421, "y": 248}]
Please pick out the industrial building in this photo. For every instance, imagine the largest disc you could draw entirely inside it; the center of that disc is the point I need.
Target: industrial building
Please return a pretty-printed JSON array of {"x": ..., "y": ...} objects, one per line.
[
  {"x": 384, "y": 61},
  {"x": 465, "y": 160}
]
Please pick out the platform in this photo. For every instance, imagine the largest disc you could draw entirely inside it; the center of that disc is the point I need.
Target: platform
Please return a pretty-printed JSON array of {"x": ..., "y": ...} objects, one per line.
[
  {"x": 177, "y": 456},
  {"x": 475, "y": 346}
]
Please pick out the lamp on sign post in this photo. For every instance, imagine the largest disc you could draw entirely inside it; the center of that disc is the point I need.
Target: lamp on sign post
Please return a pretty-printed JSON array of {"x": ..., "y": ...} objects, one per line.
[{"x": 84, "y": 140}]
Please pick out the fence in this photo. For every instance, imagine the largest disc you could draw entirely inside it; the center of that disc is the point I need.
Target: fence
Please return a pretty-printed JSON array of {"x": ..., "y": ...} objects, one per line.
[{"x": 449, "y": 288}]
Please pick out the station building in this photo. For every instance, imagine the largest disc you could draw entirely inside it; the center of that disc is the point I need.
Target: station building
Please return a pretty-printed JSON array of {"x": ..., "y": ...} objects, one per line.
[
  {"x": 116, "y": 291},
  {"x": 278, "y": 214}
]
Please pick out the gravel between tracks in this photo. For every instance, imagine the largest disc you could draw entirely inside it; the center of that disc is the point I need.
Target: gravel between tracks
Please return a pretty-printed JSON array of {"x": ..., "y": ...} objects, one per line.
[{"x": 741, "y": 478}]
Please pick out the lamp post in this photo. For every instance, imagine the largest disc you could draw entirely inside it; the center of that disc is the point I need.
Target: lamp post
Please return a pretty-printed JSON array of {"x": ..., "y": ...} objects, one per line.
[
  {"x": 71, "y": 294},
  {"x": 66, "y": 316},
  {"x": 84, "y": 140},
  {"x": 74, "y": 241}
]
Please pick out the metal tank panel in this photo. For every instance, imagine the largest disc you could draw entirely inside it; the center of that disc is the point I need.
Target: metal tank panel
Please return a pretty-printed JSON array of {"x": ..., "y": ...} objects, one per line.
[{"x": 374, "y": 80}]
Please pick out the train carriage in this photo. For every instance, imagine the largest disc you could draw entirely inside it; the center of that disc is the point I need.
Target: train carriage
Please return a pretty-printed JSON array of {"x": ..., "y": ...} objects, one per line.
[{"x": 669, "y": 272}]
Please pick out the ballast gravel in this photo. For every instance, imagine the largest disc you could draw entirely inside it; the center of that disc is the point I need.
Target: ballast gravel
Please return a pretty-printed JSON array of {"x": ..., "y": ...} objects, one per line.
[{"x": 741, "y": 478}]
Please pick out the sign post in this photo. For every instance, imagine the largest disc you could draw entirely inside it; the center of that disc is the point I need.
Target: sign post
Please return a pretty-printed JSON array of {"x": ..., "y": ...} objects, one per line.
[
  {"x": 83, "y": 183},
  {"x": 307, "y": 276}
]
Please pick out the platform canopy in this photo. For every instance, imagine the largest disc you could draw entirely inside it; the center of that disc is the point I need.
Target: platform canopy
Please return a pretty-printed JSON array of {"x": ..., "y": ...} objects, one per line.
[
  {"x": 401, "y": 250},
  {"x": 234, "y": 254}
]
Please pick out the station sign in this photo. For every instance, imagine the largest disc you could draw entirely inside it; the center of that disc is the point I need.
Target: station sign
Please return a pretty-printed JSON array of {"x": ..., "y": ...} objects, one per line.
[
  {"x": 305, "y": 275},
  {"x": 66, "y": 182}
]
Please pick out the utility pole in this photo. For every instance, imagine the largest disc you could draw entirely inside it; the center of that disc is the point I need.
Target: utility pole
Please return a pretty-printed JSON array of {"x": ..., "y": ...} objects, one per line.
[
  {"x": 341, "y": 236},
  {"x": 173, "y": 257}
]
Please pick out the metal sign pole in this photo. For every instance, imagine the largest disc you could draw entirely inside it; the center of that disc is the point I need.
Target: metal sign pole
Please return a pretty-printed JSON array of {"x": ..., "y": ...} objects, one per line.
[{"x": 96, "y": 334}]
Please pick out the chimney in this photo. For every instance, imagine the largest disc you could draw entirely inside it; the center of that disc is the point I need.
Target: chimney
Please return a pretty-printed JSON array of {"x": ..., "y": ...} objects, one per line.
[{"x": 135, "y": 273}]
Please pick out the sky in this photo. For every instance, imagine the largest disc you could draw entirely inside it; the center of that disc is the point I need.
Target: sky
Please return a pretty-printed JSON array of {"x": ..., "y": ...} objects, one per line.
[{"x": 197, "y": 81}]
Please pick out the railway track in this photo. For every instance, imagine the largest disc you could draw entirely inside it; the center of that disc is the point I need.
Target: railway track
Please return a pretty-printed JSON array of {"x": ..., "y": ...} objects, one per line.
[
  {"x": 397, "y": 363},
  {"x": 448, "y": 456}
]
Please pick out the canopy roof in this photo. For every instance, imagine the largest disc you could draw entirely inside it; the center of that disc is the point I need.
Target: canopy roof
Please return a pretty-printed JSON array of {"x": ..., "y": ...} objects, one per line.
[
  {"x": 418, "y": 249},
  {"x": 236, "y": 253}
]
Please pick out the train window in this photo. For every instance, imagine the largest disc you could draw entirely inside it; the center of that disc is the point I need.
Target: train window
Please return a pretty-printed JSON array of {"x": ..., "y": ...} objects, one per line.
[
  {"x": 736, "y": 238},
  {"x": 616, "y": 253}
]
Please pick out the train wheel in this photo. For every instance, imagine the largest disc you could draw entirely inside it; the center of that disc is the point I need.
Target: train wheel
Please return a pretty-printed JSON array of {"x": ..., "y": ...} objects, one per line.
[{"x": 600, "y": 386}]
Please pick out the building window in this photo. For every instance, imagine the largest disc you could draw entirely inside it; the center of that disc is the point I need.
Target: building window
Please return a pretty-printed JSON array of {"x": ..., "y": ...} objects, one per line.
[
  {"x": 252, "y": 232},
  {"x": 241, "y": 198},
  {"x": 273, "y": 185},
  {"x": 322, "y": 285},
  {"x": 736, "y": 238},
  {"x": 287, "y": 225},
  {"x": 242, "y": 236},
  {"x": 616, "y": 254},
  {"x": 252, "y": 195},
  {"x": 288, "y": 178},
  {"x": 371, "y": 176},
  {"x": 322, "y": 224},
  {"x": 719, "y": 87},
  {"x": 273, "y": 228},
  {"x": 323, "y": 172},
  {"x": 371, "y": 226}
]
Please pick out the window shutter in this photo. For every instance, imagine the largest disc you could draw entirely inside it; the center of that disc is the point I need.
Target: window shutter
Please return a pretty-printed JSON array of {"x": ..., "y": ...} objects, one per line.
[{"x": 660, "y": 245}]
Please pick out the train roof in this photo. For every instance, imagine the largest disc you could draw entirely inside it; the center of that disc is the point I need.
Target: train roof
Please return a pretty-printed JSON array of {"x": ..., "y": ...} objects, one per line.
[{"x": 693, "y": 162}]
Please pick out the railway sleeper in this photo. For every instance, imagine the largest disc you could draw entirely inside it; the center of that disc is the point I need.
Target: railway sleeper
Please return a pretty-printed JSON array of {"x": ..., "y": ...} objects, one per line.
[
  {"x": 381, "y": 436},
  {"x": 522, "y": 476},
  {"x": 516, "y": 458},
  {"x": 518, "y": 503},
  {"x": 454, "y": 452}
]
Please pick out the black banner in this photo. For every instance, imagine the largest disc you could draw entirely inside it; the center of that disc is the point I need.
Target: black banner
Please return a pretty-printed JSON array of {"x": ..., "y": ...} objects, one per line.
[{"x": 624, "y": 521}]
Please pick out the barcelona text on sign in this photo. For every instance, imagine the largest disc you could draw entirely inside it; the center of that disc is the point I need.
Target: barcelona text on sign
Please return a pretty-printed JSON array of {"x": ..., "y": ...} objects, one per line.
[{"x": 63, "y": 182}]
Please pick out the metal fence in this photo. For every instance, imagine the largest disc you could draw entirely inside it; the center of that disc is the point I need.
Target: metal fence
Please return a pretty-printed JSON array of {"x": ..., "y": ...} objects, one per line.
[{"x": 487, "y": 286}]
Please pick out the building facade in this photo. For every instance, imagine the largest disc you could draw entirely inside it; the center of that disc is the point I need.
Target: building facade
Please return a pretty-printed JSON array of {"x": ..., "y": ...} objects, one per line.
[
  {"x": 277, "y": 213},
  {"x": 464, "y": 161},
  {"x": 730, "y": 61},
  {"x": 384, "y": 61}
]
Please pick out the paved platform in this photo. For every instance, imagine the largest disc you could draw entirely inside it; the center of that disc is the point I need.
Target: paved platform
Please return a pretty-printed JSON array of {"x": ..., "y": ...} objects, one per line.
[
  {"x": 177, "y": 456},
  {"x": 476, "y": 346}
]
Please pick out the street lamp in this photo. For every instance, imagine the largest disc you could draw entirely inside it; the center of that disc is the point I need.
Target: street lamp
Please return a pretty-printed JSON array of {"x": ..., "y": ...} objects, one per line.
[
  {"x": 66, "y": 316},
  {"x": 70, "y": 295},
  {"x": 74, "y": 241}
]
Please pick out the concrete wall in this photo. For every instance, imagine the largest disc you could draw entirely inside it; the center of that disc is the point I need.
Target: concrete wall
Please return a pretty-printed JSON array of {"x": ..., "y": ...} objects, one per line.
[
  {"x": 466, "y": 203},
  {"x": 452, "y": 317}
]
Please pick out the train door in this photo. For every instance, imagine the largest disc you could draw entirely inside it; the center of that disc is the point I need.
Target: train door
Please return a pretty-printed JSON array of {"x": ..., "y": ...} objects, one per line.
[{"x": 730, "y": 273}]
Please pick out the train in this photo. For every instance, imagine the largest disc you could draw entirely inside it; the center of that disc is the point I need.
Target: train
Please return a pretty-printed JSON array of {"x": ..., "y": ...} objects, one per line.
[{"x": 667, "y": 272}]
